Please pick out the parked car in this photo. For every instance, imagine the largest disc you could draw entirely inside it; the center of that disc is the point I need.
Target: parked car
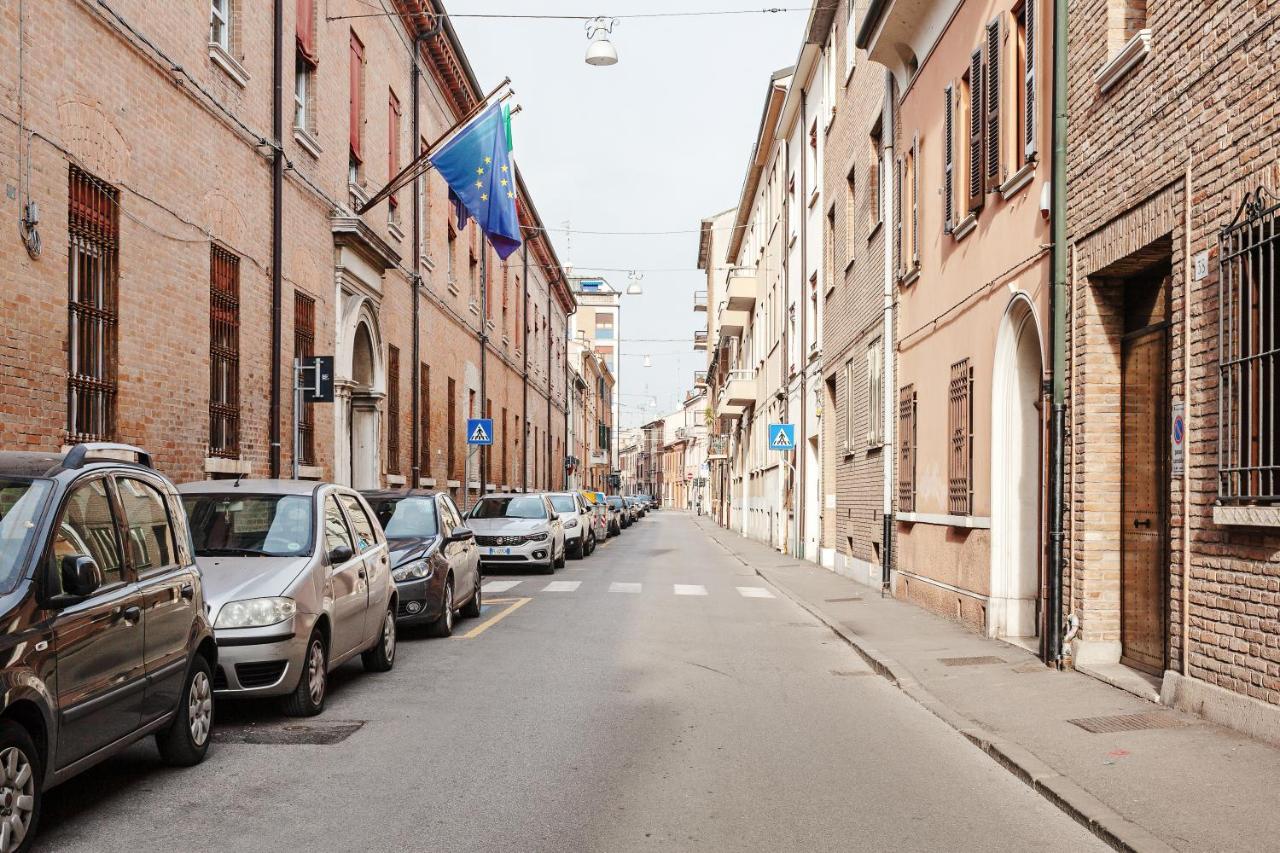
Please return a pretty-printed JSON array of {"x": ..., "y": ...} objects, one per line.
[
  {"x": 637, "y": 506},
  {"x": 518, "y": 530},
  {"x": 576, "y": 516},
  {"x": 622, "y": 515},
  {"x": 105, "y": 635},
  {"x": 599, "y": 515},
  {"x": 652, "y": 502},
  {"x": 435, "y": 561},
  {"x": 298, "y": 580}
]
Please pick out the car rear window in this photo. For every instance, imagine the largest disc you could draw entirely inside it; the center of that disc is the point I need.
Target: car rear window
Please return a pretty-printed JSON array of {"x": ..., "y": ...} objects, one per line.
[
  {"x": 20, "y": 505},
  {"x": 406, "y": 518},
  {"x": 250, "y": 525},
  {"x": 563, "y": 503},
  {"x": 521, "y": 507}
]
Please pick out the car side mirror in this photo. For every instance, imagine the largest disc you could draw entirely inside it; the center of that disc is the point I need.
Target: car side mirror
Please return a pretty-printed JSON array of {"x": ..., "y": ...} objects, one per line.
[
  {"x": 81, "y": 576},
  {"x": 462, "y": 534},
  {"x": 339, "y": 554}
]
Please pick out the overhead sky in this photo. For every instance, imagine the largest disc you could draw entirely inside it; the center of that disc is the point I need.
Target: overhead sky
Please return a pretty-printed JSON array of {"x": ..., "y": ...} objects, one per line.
[{"x": 655, "y": 143}]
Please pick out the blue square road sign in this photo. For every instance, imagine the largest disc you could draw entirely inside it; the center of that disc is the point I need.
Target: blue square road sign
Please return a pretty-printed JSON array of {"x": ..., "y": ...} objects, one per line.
[
  {"x": 782, "y": 437},
  {"x": 480, "y": 431}
]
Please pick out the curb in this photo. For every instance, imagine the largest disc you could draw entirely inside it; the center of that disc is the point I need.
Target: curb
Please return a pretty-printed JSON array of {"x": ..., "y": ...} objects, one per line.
[{"x": 1110, "y": 826}]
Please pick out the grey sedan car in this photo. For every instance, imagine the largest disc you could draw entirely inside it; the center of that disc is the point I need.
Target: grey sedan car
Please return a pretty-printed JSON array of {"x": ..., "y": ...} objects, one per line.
[
  {"x": 298, "y": 581},
  {"x": 516, "y": 530}
]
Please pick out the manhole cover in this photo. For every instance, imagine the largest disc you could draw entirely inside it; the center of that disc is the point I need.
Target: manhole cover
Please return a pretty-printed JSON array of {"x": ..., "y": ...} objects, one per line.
[
  {"x": 842, "y": 600},
  {"x": 1129, "y": 722},
  {"x": 849, "y": 673},
  {"x": 321, "y": 734},
  {"x": 974, "y": 661}
]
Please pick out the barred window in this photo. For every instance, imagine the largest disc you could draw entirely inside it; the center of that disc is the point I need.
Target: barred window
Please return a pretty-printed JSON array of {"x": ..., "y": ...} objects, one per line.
[
  {"x": 393, "y": 410},
  {"x": 1248, "y": 346},
  {"x": 452, "y": 423},
  {"x": 92, "y": 267},
  {"x": 304, "y": 342},
  {"x": 424, "y": 419},
  {"x": 907, "y": 449},
  {"x": 224, "y": 354},
  {"x": 960, "y": 432}
]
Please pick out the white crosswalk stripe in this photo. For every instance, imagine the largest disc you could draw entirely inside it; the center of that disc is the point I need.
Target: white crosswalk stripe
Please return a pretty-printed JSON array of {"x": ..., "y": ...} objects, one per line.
[
  {"x": 562, "y": 586},
  {"x": 754, "y": 592},
  {"x": 499, "y": 586},
  {"x": 690, "y": 589},
  {"x": 624, "y": 587}
]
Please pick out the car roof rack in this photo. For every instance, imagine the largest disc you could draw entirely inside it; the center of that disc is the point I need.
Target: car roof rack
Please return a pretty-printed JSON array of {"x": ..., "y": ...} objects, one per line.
[{"x": 78, "y": 456}]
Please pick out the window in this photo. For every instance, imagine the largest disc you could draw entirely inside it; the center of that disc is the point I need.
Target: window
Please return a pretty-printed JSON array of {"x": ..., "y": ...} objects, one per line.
[
  {"x": 93, "y": 252},
  {"x": 897, "y": 217},
  {"x": 393, "y": 410},
  {"x": 604, "y": 327},
  {"x": 336, "y": 532},
  {"x": 850, "y": 34},
  {"x": 1125, "y": 20},
  {"x": 829, "y": 80},
  {"x": 948, "y": 161},
  {"x": 305, "y": 68},
  {"x": 273, "y": 525},
  {"x": 849, "y": 440},
  {"x": 1025, "y": 82},
  {"x": 506, "y": 298},
  {"x": 220, "y": 24},
  {"x": 424, "y": 420},
  {"x": 356, "y": 112},
  {"x": 451, "y": 253},
  {"x": 365, "y": 537},
  {"x": 502, "y": 440},
  {"x": 976, "y": 123},
  {"x": 451, "y": 470},
  {"x": 913, "y": 169},
  {"x": 829, "y": 253},
  {"x": 907, "y": 449},
  {"x": 393, "y": 149},
  {"x": 146, "y": 517},
  {"x": 960, "y": 433},
  {"x": 850, "y": 213},
  {"x": 875, "y": 394},
  {"x": 304, "y": 341},
  {"x": 224, "y": 354},
  {"x": 875, "y": 176},
  {"x": 87, "y": 529},
  {"x": 993, "y": 163}
]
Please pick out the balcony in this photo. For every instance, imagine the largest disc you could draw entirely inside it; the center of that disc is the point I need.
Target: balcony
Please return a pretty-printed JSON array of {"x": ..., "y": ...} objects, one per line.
[
  {"x": 699, "y": 300},
  {"x": 741, "y": 293},
  {"x": 700, "y": 340},
  {"x": 740, "y": 388},
  {"x": 732, "y": 322},
  {"x": 726, "y": 409},
  {"x": 699, "y": 378}
]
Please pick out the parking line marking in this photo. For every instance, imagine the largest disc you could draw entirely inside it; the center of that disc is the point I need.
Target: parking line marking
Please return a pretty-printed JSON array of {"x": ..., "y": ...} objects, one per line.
[
  {"x": 624, "y": 587},
  {"x": 754, "y": 592},
  {"x": 562, "y": 586},
  {"x": 517, "y": 603},
  {"x": 690, "y": 589},
  {"x": 499, "y": 586}
]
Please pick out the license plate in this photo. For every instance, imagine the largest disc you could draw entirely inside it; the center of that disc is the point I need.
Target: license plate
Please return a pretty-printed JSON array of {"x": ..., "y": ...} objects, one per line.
[{"x": 495, "y": 552}]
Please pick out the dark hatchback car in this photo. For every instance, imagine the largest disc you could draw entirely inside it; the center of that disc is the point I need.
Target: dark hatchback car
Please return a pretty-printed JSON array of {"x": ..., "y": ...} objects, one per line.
[
  {"x": 106, "y": 639},
  {"x": 434, "y": 558}
]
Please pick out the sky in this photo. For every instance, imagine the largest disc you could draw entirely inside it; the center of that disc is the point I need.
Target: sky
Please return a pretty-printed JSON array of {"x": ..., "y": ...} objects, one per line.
[{"x": 657, "y": 142}]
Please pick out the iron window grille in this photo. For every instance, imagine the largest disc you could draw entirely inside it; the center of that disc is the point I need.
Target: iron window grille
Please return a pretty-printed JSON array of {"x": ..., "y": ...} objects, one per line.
[
  {"x": 907, "y": 449},
  {"x": 393, "y": 410},
  {"x": 424, "y": 419},
  {"x": 92, "y": 269},
  {"x": 304, "y": 343},
  {"x": 224, "y": 354},
  {"x": 960, "y": 430},
  {"x": 1248, "y": 344}
]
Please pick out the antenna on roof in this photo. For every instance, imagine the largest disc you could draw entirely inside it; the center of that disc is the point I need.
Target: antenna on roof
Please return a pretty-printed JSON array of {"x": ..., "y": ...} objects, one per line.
[{"x": 239, "y": 477}]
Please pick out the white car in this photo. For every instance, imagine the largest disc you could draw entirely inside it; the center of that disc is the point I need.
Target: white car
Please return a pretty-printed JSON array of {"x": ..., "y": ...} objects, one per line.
[
  {"x": 518, "y": 530},
  {"x": 577, "y": 518}
]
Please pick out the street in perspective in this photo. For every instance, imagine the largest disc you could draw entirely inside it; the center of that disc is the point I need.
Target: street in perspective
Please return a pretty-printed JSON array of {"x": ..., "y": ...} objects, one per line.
[{"x": 868, "y": 440}]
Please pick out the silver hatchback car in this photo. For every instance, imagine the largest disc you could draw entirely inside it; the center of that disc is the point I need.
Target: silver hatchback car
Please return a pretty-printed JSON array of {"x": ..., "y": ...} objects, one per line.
[{"x": 297, "y": 580}]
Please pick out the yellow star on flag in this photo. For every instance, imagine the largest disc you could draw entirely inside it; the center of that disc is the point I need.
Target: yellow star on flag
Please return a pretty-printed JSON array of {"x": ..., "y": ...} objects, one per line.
[
  {"x": 479, "y": 183},
  {"x": 479, "y": 170},
  {"x": 504, "y": 182},
  {"x": 488, "y": 160},
  {"x": 504, "y": 168},
  {"x": 484, "y": 196},
  {"x": 511, "y": 195}
]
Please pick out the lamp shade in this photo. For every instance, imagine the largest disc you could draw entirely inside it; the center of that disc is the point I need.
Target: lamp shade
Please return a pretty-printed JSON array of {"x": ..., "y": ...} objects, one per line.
[{"x": 601, "y": 52}]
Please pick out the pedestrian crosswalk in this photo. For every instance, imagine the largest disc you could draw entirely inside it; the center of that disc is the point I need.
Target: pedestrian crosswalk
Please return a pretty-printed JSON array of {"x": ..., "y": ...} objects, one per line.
[{"x": 526, "y": 587}]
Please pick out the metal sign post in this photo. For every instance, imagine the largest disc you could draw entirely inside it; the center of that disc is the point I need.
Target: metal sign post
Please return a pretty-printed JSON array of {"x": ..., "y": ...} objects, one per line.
[
  {"x": 312, "y": 383},
  {"x": 479, "y": 436}
]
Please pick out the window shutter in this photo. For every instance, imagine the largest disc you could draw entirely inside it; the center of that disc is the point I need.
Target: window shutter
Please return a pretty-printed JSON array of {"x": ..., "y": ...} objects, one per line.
[
  {"x": 993, "y": 105},
  {"x": 1030, "y": 81},
  {"x": 306, "y": 30},
  {"x": 897, "y": 215},
  {"x": 357, "y": 96},
  {"x": 915, "y": 201},
  {"x": 977, "y": 124},
  {"x": 873, "y": 185},
  {"x": 907, "y": 449},
  {"x": 948, "y": 162}
]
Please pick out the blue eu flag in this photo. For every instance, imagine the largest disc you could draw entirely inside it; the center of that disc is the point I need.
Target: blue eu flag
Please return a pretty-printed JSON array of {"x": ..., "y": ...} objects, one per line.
[{"x": 477, "y": 166}]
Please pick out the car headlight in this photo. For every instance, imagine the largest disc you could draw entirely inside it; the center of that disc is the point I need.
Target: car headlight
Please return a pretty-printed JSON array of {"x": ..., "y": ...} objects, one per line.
[
  {"x": 536, "y": 537},
  {"x": 570, "y": 524},
  {"x": 416, "y": 570},
  {"x": 255, "y": 612}
]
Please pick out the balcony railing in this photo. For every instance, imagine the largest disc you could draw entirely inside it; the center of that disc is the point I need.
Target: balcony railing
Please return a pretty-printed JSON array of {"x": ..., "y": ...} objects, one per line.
[
  {"x": 699, "y": 300},
  {"x": 700, "y": 377},
  {"x": 739, "y": 388},
  {"x": 700, "y": 339},
  {"x": 741, "y": 290}
]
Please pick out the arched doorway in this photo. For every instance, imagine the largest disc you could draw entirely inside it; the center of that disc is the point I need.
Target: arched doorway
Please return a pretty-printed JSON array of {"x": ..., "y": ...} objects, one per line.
[
  {"x": 359, "y": 386},
  {"x": 1016, "y": 471},
  {"x": 364, "y": 411}
]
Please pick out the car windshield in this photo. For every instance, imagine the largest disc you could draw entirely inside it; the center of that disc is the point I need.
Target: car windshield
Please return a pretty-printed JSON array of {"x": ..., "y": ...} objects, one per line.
[
  {"x": 20, "y": 503},
  {"x": 250, "y": 525},
  {"x": 407, "y": 517},
  {"x": 563, "y": 503},
  {"x": 616, "y": 502},
  {"x": 522, "y": 507}
]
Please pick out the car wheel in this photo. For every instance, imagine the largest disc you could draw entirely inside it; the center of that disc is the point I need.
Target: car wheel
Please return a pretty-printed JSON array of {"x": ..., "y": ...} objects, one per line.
[
  {"x": 443, "y": 626},
  {"x": 21, "y": 780},
  {"x": 307, "y": 699},
  {"x": 472, "y": 608},
  {"x": 560, "y": 562},
  {"x": 382, "y": 656},
  {"x": 579, "y": 549},
  {"x": 186, "y": 740}
]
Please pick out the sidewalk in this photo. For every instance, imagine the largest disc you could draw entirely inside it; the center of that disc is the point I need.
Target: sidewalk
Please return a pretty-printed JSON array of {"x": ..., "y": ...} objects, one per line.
[{"x": 1188, "y": 785}]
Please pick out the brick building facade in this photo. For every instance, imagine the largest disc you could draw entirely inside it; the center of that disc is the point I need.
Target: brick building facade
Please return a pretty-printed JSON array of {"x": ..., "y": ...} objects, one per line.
[{"x": 145, "y": 314}]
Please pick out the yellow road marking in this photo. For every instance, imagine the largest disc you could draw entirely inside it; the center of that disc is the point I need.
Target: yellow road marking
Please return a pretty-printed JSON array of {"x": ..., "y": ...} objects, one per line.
[{"x": 516, "y": 604}]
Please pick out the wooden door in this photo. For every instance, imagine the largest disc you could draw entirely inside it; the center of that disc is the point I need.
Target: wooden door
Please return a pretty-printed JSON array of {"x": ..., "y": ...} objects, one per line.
[{"x": 1143, "y": 516}]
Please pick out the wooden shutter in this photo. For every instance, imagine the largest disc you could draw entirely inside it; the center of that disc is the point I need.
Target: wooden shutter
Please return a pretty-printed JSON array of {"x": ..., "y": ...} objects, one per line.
[
  {"x": 907, "y": 449},
  {"x": 306, "y": 31},
  {"x": 873, "y": 186},
  {"x": 393, "y": 142},
  {"x": 393, "y": 410},
  {"x": 356, "y": 95},
  {"x": 897, "y": 216},
  {"x": 960, "y": 436},
  {"x": 977, "y": 126},
  {"x": 915, "y": 201},
  {"x": 993, "y": 105},
  {"x": 948, "y": 161},
  {"x": 1029, "y": 81}
]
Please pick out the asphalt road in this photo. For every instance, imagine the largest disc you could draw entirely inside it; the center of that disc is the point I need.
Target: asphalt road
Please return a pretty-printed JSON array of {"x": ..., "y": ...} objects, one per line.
[{"x": 648, "y": 705}]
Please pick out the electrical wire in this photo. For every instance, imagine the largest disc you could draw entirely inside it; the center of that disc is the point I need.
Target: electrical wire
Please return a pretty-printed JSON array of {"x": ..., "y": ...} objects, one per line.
[{"x": 517, "y": 16}]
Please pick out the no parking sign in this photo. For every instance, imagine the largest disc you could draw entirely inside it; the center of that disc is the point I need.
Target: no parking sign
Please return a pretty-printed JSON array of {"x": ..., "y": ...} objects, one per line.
[{"x": 1178, "y": 440}]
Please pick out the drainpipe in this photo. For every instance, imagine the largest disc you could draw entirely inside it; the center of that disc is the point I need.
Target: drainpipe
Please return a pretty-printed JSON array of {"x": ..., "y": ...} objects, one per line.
[
  {"x": 1188, "y": 269},
  {"x": 550, "y": 461},
  {"x": 888, "y": 391},
  {"x": 783, "y": 362},
  {"x": 798, "y": 487},
  {"x": 277, "y": 232},
  {"x": 524, "y": 352},
  {"x": 483, "y": 337},
  {"x": 1058, "y": 315}
]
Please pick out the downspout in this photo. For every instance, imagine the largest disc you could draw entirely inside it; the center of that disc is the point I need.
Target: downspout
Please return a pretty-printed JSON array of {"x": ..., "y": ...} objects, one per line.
[
  {"x": 783, "y": 362},
  {"x": 483, "y": 337},
  {"x": 1188, "y": 270},
  {"x": 277, "y": 232},
  {"x": 888, "y": 391},
  {"x": 568, "y": 393},
  {"x": 524, "y": 353},
  {"x": 550, "y": 324},
  {"x": 1058, "y": 313},
  {"x": 798, "y": 483}
]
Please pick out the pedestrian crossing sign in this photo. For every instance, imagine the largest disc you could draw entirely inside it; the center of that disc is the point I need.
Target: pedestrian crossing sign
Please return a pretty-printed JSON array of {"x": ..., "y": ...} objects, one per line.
[
  {"x": 480, "y": 431},
  {"x": 782, "y": 437}
]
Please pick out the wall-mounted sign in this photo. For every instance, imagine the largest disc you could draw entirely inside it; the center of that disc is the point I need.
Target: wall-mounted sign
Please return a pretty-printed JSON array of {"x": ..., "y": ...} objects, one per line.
[{"x": 1178, "y": 440}]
